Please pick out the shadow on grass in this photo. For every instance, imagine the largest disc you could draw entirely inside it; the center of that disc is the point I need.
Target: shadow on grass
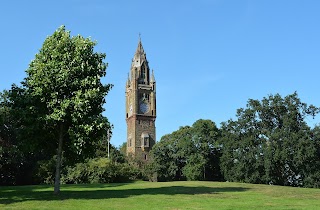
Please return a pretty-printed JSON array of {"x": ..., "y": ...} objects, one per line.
[{"x": 43, "y": 193}]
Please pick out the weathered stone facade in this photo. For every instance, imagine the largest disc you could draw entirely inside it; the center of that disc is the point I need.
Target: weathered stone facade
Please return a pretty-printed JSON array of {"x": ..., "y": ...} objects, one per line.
[{"x": 140, "y": 106}]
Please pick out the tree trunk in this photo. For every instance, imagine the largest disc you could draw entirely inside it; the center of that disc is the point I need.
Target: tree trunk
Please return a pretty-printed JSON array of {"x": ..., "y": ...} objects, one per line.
[{"x": 58, "y": 163}]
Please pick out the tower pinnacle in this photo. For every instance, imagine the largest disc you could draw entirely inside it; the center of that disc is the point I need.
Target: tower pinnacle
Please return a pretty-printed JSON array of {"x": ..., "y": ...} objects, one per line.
[{"x": 152, "y": 77}]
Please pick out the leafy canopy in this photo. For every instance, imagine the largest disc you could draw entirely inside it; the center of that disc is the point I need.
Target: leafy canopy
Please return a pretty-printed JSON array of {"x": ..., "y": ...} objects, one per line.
[{"x": 65, "y": 88}]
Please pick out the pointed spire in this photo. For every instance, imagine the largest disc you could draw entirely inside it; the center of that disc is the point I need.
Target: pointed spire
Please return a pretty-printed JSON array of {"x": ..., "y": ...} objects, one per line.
[
  {"x": 140, "y": 50},
  {"x": 140, "y": 55}
]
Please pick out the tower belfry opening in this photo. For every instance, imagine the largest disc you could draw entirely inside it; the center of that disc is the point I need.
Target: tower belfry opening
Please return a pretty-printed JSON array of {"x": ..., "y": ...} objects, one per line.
[{"x": 140, "y": 106}]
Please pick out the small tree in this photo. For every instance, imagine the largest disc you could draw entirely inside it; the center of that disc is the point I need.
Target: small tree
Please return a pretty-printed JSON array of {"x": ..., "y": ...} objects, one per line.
[{"x": 64, "y": 80}]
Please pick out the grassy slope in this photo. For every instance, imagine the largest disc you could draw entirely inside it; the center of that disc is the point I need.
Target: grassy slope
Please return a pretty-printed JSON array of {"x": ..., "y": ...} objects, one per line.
[{"x": 169, "y": 195}]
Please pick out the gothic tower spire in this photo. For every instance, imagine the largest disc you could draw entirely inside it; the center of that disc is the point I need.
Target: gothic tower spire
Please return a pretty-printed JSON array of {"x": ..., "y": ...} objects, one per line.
[{"x": 140, "y": 106}]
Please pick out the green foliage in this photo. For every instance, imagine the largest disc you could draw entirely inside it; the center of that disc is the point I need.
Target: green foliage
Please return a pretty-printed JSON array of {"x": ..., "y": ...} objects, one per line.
[
  {"x": 10, "y": 164},
  {"x": 190, "y": 153},
  {"x": 270, "y": 143},
  {"x": 46, "y": 168},
  {"x": 59, "y": 105},
  {"x": 64, "y": 79},
  {"x": 194, "y": 168},
  {"x": 141, "y": 167},
  {"x": 64, "y": 87},
  {"x": 11, "y": 158},
  {"x": 101, "y": 150},
  {"x": 312, "y": 178},
  {"x": 99, "y": 170},
  {"x": 165, "y": 159},
  {"x": 45, "y": 171}
]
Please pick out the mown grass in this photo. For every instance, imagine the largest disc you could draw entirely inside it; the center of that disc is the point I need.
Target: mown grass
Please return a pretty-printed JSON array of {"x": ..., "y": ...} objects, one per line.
[{"x": 168, "y": 195}]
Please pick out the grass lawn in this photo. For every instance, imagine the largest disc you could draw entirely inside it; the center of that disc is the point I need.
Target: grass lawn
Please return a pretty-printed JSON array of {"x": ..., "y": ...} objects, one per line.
[{"x": 167, "y": 195}]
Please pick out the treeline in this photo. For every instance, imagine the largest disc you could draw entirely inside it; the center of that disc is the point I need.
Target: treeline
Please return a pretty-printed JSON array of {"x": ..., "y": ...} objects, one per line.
[
  {"x": 52, "y": 127},
  {"x": 269, "y": 142}
]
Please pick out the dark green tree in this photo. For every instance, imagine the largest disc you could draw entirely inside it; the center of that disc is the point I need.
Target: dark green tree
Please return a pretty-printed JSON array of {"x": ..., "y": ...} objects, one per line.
[
  {"x": 191, "y": 153},
  {"x": 66, "y": 92},
  {"x": 195, "y": 167},
  {"x": 269, "y": 142},
  {"x": 10, "y": 156},
  {"x": 205, "y": 136},
  {"x": 165, "y": 159}
]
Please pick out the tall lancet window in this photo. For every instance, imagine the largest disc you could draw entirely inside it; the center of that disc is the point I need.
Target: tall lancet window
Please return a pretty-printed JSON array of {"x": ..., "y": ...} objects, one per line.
[{"x": 143, "y": 72}]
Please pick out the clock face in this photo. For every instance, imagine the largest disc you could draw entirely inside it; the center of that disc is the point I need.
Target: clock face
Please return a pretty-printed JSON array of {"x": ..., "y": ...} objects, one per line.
[{"x": 144, "y": 107}]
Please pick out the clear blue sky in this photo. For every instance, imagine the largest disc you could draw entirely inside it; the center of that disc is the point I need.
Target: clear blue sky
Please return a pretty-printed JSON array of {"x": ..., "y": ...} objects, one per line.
[{"x": 209, "y": 56}]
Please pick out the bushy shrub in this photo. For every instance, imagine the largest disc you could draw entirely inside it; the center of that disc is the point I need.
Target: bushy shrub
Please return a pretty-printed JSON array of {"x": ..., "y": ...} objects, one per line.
[
  {"x": 313, "y": 180},
  {"x": 46, "y": 171},
  {"x": 99, "y": 170}
]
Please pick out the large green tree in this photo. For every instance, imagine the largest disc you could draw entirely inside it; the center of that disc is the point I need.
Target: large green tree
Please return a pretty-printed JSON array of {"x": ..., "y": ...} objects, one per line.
[
  {"x": 66, "y": 92},
  {"x": 169, "y": 154},
  {"x": 270, "y": 142},
  {"x": 191, "y": 153}
]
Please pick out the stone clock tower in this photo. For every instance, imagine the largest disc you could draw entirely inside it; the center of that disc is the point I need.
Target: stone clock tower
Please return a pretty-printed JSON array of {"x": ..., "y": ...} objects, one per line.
[{"x": 140, "y": 106}]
